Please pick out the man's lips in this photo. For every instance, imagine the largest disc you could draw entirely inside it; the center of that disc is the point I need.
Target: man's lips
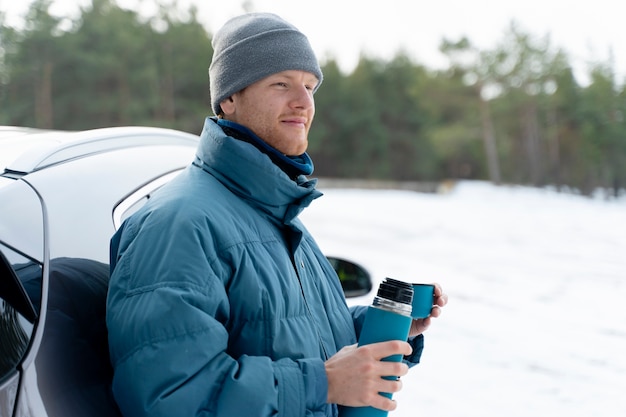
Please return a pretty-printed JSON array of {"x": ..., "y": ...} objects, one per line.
[{"x": 295, "y": 121}]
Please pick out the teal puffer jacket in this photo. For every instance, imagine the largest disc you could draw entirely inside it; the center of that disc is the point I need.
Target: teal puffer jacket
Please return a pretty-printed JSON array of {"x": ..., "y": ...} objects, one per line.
[{"x": 220, "y": 301}]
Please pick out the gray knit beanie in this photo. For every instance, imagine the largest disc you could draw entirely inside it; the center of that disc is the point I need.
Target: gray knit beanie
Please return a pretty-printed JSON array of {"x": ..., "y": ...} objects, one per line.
[{"x": 253, "y": 46}]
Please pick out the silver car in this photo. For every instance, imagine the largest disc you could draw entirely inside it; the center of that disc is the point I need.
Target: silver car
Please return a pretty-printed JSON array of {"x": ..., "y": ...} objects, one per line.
[{"x": 62, "y": 196}]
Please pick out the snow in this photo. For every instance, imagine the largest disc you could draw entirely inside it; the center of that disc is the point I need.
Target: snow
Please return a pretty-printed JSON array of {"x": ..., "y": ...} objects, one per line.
[{"x": 536, "y": 320}]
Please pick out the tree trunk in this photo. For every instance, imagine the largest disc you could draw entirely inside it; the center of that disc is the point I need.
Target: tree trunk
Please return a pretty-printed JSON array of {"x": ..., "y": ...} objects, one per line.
[
  {"x": 489, "y": 142},
  {"x": 530, "y": 129},
  {"x": 168, "y": 84},
  {"x": 43, "y": 98},
  {"x": 554, "y": 148}
]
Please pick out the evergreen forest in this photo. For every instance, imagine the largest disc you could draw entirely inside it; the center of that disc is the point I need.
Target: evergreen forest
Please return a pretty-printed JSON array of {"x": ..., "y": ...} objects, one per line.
[{"x": 515, "y": 114}]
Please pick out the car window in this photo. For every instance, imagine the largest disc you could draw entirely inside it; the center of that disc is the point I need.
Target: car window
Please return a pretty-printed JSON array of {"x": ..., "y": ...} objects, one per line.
[
  {"x": 21, "y": 273},
  {"x": 18, "y": 308},
  {"x": 134, "y": 201}
]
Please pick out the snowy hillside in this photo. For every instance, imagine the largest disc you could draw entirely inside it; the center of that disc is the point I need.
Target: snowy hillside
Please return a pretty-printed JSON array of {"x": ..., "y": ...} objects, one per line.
[{"x": 536, "y": 323}]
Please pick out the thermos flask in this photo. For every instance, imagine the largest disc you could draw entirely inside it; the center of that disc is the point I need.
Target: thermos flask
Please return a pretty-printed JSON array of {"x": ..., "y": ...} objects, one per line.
[{"x": 388, "y": 318}]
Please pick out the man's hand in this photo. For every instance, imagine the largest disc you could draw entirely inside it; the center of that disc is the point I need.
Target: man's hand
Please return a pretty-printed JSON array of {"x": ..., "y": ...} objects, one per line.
[
  {"x": 419, "y": 326},
  {"x": 355, "y": 374}
]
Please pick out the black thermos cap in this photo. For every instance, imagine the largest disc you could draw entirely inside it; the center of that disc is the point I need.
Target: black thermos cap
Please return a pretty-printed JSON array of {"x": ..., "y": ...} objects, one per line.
[{"x": 394, "y": 290}]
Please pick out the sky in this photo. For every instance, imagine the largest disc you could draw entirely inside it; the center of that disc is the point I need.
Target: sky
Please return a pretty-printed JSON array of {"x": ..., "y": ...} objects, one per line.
[
  {"x": 535, "y": 324},
  {"x": 589, "y": 31}
]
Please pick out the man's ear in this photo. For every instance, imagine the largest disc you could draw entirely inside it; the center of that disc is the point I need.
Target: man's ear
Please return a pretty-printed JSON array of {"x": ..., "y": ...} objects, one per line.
[{"x": 228, "y": 105}]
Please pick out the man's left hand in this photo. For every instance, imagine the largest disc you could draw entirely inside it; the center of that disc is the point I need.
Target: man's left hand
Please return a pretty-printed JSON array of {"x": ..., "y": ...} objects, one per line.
[{"x": 418, "y": 326}]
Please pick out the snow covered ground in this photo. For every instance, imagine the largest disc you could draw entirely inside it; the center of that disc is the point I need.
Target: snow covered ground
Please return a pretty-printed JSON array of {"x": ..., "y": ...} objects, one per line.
[{"x": 536, "y": 322}]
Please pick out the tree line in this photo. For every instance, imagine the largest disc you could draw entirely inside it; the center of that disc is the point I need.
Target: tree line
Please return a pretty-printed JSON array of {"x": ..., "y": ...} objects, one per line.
[{"x": 513, "y": 114}]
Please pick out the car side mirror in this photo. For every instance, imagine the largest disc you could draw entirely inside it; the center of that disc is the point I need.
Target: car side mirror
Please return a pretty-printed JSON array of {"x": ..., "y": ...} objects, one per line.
[
  {"x": 355, "y": 280},
  {"x": 17, "y": 319}
]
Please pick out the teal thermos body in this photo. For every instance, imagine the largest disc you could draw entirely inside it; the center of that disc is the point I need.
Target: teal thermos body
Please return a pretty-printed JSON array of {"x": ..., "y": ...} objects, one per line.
[{"x": 388, "y": 318}]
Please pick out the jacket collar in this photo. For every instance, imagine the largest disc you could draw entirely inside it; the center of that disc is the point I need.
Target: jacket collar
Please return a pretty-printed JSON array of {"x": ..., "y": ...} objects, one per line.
[
  {"x": 252, "y": 175},
  {"x": 292, "y": 165}
]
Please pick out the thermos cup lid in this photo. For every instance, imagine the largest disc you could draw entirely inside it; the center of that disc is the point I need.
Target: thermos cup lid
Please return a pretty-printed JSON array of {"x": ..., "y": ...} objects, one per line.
[{"x": 394, "y": 290}]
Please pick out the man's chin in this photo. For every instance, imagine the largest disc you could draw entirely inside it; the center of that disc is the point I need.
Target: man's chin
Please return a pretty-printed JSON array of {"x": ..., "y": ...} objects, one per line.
[
  {"x": 295, "y": 147},
  {"x": 297, "y": 152}
]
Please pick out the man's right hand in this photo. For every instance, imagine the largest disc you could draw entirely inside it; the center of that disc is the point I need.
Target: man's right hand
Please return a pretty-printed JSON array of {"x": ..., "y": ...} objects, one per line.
[{"x": 355, "y": 374}]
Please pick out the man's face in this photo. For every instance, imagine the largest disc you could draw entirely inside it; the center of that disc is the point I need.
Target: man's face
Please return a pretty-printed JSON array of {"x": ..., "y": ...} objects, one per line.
[{"x": 279, "y": 109}]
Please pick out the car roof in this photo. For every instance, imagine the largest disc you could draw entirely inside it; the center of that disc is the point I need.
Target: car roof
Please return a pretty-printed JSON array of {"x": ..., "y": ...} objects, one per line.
[
  {"x": 15, "y": 140},
  {"x": 24, "y": 151}
]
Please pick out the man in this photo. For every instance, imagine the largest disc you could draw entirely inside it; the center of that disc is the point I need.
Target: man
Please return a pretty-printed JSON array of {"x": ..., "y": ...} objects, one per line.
[{"x": 220, "y": 301}]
